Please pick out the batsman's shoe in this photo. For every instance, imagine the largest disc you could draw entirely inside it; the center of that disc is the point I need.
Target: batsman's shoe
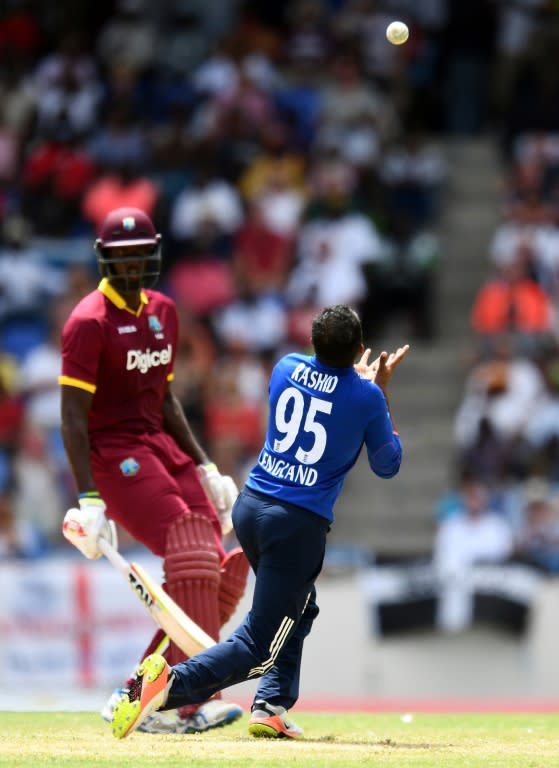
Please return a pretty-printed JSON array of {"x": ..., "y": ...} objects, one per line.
[
  {"x": 212, "y": 714},
  {"x": 271, "y": 722},
  {"x": 147, "y": 693},
  {"x": 158, "y": 722},
  {"x": 109, "y": 707}
]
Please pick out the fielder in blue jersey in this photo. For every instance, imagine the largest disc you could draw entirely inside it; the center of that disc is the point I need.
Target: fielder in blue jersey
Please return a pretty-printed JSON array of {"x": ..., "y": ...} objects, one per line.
[{"x": 324, "y": 408}]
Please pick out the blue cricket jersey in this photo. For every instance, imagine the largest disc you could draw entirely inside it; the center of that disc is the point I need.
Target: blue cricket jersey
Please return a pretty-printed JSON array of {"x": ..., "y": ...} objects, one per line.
[{"x": 319, "y": 419}]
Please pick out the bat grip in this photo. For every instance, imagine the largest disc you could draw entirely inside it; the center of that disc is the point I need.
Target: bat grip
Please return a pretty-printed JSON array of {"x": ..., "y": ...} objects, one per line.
[{"x": 113, "y": 555}]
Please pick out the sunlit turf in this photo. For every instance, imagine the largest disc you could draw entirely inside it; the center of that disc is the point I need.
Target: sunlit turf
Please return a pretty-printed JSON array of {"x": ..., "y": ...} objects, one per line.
[{"x": 81, "y": 740}]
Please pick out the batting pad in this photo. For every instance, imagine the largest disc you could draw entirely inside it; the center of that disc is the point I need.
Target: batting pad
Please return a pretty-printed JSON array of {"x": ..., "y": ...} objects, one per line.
[
  {"x": 234, "y": 574},
  {"x": 192, "y": 574}
]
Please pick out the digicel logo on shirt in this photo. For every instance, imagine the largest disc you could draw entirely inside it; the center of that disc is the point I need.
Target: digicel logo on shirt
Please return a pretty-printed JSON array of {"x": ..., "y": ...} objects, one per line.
[{"x": 146, "y": 359}]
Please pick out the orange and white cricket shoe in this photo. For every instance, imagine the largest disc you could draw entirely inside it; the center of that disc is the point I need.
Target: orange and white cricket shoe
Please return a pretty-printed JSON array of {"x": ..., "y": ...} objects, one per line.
[
  {"x": 146, "y": 694},
  {"x": 271, "y": 722}
]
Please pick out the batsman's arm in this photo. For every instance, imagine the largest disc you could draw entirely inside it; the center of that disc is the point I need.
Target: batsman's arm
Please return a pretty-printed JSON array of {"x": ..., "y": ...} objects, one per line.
[
  {"x": 220, "y": 488},
  {"x": 75, "y": 407},
  {"x": 176, "y": 424},
  {"x": 85, "y": 523}
]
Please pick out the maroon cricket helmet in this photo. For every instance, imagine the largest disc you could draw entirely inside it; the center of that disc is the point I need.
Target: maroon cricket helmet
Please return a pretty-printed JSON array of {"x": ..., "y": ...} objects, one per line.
[{"x": 133, "y": 230}]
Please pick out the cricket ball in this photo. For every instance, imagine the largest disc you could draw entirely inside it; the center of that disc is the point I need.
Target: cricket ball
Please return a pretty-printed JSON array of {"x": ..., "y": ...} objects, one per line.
[{"x": 397, "y": 32}]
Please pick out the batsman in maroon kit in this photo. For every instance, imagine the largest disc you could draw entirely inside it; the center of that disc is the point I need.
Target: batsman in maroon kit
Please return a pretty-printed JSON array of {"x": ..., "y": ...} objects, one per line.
[{"x": 132, "y": 452}]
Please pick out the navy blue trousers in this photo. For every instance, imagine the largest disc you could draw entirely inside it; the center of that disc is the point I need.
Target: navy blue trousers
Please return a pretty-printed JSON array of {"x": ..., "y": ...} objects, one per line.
[{"x": 285, "y": 546}]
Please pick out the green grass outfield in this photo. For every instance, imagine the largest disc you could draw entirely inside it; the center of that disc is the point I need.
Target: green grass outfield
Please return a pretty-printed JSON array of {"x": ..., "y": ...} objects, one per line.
[{"x": 83, "y": 740}]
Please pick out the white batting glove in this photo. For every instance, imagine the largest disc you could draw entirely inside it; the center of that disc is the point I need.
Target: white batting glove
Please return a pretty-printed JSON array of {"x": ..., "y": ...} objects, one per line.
[
  {"x": 231, "y": 493},
  {"x": 82, "y": 527},
  {"x": 218, "y": 487}
]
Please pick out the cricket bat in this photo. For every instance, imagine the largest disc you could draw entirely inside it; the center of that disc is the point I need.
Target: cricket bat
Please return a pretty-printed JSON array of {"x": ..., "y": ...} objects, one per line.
[{"x": 179, "y": 627}]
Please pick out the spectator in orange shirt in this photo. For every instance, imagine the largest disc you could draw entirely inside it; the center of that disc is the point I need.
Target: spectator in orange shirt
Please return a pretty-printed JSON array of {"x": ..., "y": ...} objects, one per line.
[{"x": 512, "y": 301}]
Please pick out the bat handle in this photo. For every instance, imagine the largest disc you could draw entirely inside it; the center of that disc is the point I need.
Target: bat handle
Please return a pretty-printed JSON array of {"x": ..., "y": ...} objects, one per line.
[{"x": 112, "y": 555}]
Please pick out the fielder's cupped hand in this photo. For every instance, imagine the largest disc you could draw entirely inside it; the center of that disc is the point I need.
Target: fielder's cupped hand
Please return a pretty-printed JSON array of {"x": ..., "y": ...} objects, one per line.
[{"x": 381, "y": 369}]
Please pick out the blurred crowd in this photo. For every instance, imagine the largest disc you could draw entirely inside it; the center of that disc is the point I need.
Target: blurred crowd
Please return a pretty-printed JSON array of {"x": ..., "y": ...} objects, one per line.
[
  {"x": 291, "y": 158},
  {"x": 282, "y": 154},
  {"x": 505, "y": 504}
]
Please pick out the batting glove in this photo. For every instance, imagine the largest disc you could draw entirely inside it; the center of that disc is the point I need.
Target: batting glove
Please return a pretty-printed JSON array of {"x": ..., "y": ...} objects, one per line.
[
  {"x": 231, "y": 493},
  {"x": 218, "y": 487},
  {"x": 82, "y": 527}
]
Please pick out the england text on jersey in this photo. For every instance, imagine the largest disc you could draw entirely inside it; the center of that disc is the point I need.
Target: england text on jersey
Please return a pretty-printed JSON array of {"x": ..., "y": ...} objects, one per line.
[{"x": 296, "y": 473}]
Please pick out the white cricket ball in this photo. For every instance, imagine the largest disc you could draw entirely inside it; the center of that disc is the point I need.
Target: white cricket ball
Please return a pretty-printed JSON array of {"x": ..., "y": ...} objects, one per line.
[{"x": 397, "y": 32}]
